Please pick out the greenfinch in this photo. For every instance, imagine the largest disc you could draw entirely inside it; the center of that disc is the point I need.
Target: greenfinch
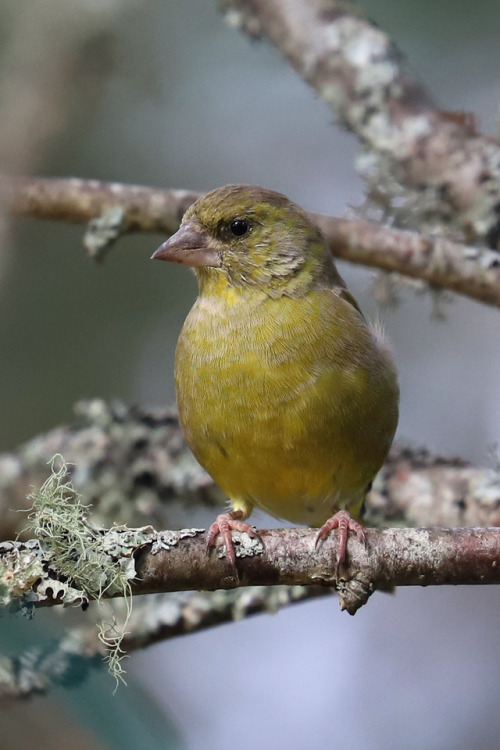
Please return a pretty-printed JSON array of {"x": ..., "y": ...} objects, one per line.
[{"x": 287, "y": 397}]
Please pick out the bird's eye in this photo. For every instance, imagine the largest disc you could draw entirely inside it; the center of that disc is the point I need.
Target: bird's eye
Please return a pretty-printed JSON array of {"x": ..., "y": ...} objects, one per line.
[{"x": 239, "y": 227}]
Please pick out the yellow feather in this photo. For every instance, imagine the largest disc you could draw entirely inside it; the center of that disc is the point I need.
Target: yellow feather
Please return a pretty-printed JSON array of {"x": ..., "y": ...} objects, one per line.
[
  {"x": 289, "y": 403},
  {"x": 287, "y": 397}
]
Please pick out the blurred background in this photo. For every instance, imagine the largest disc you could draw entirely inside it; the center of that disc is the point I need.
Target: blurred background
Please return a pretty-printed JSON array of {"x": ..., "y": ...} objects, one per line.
[{"x": 164, "y": 93}]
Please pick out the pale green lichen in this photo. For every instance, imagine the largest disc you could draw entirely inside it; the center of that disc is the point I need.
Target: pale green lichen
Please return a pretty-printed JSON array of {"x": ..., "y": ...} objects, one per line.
[
  {"x": 95, "y": 561},
  {"x": 20, "y": 568},
  {"x": 244, "y": 545},
  {"x": 103, "y": 231}
]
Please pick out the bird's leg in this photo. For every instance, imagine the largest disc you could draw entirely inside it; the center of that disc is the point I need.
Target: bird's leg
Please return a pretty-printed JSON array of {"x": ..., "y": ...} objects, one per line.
[
  {"x": 342, "y": 521},
  {"x": 223, "y": 525}
]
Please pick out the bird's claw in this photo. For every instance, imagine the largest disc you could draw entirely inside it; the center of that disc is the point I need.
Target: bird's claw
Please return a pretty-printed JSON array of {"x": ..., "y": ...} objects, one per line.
[
  {"x": 223, "y": 525},
  {"x": 343, "y": 521}
]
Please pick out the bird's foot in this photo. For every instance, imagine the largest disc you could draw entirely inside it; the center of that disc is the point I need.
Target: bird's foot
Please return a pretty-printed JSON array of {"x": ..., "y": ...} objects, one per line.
[
  {"x": 342, "y": 521},
  {"x": 223, "y": 525}
]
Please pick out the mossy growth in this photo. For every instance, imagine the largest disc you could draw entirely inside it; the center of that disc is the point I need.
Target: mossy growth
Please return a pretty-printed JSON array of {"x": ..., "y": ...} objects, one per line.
[{"x": 92, "y": 560}]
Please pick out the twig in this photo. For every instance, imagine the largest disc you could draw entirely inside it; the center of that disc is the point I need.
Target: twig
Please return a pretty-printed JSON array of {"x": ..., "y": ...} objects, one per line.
[
  {"x": 471, "y": 271},
  {"x": 155, "y": 618},
  {"x": 131, "y": 464},
  {"x": 74, "y": 200},
  {"x": 178, "y": 561},
  {"x": 446, "y": 173}
]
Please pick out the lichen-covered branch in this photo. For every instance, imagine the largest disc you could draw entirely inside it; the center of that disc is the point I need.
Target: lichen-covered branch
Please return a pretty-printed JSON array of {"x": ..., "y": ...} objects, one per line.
[
  {"x": 179, "y": 561},
  {"x": 75, "y": 200},
  {"x": 37, "y": 670},
  {"x": 443, "y": 264},
  {"x": 71, "y": 561},
  {"x": 133, "y": 466},
  {"x": 162, "y": 616},
  {"x": 155, "y": 618},
  {"x": 130, "y": 464},
  {"x": 447, "y": 175},
  {"x": 418, "y": 488}
]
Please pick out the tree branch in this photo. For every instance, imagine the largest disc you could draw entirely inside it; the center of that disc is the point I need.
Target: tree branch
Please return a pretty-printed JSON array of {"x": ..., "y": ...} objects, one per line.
[
  {"x": 178, "y": 561},
  {"x": 75, "y": 200},
  {"x": 447, "y": 174},
  {"x": 472, "y": 271},
  {"x": 155, "y": 618},
  {"x": 443, "y": 264},
  {"x": 132, "y": 465}
]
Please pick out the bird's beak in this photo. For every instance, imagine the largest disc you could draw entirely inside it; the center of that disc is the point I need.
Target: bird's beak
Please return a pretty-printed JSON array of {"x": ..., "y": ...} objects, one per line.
[{"x": 190, "y": 247}]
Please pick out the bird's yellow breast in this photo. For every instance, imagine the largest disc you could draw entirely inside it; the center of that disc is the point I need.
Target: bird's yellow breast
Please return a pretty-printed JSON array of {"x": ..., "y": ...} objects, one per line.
[{"x": 283, "y": 408}]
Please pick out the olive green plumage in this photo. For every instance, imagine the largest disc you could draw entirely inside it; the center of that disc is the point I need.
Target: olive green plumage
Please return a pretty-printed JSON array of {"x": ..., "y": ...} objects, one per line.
[{"x": 287, "y": 397}]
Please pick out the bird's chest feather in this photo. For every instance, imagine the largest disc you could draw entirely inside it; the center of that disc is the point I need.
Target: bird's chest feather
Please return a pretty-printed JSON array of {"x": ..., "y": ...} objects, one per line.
[
  {"x": 260, "y": 396},
  {"x": 241, "y": 374}
]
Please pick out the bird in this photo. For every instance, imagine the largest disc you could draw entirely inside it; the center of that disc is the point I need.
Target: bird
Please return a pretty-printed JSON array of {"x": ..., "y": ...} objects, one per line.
[{"x": 286, "y": 395}]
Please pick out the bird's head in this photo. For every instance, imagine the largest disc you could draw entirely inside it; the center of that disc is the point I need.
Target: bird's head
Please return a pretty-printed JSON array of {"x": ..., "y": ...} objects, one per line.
[{"x": 250, "y": 237}]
